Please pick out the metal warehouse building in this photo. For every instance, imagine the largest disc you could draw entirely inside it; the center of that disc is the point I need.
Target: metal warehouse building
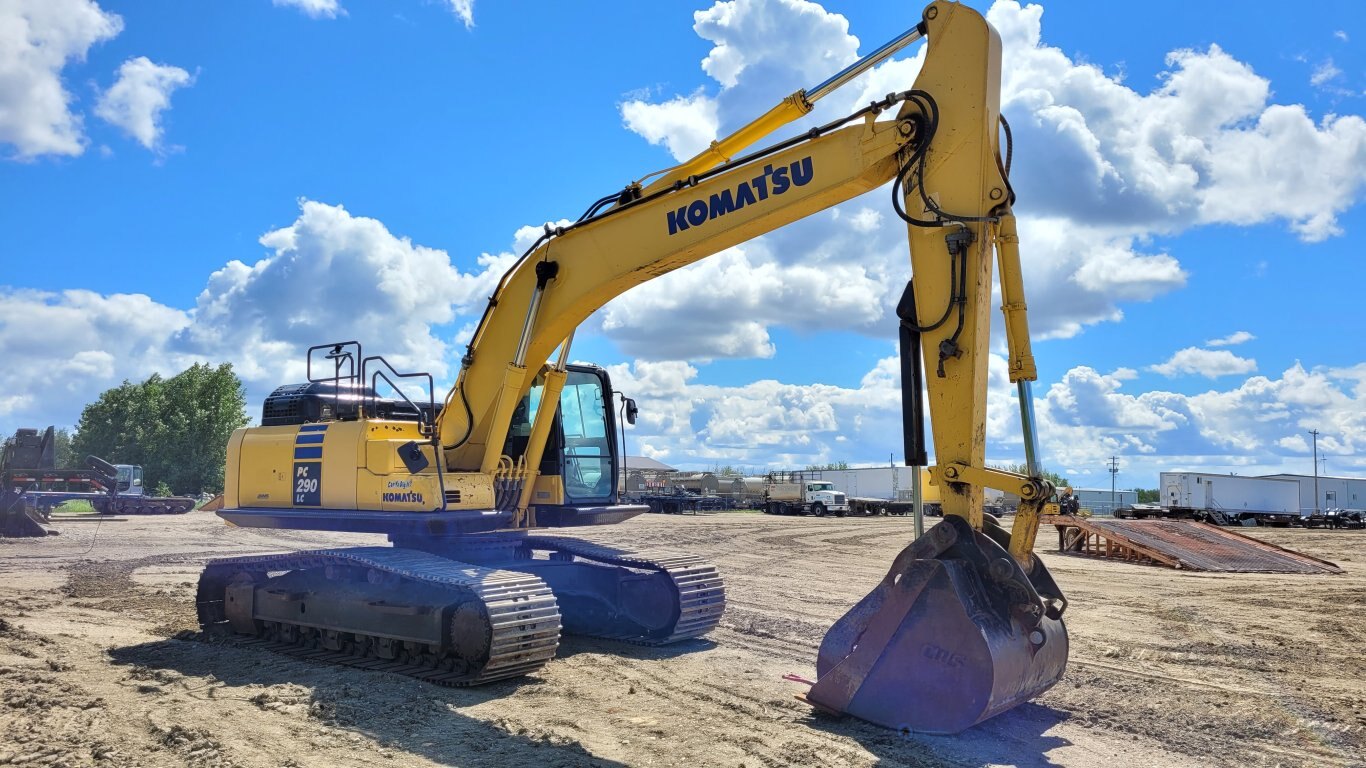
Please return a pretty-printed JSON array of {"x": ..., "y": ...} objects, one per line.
[
  {"x": 1334, "y": 492},
  {"x": 1101, "y": 502}
]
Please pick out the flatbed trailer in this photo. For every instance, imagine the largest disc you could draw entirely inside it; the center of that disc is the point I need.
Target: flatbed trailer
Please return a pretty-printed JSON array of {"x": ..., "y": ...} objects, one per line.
[
  {"x": 678, "y": 503},
  {"x": 870, "y": 507},
  {"x": 46, "y": 489}
]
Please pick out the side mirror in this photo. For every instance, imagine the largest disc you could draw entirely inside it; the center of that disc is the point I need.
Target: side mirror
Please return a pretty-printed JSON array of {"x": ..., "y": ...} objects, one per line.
[
  {"x": 411, "y": 454},
  {"x": 631, "y": 411}
]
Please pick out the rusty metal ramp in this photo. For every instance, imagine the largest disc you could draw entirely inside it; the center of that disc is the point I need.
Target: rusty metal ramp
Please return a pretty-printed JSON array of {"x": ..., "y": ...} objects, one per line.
[{"x": 1182, "y": 544}]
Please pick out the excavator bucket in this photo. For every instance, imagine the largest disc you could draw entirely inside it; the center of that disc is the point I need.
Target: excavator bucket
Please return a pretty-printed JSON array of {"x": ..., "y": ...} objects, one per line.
[{"x": 957, "y": 632}]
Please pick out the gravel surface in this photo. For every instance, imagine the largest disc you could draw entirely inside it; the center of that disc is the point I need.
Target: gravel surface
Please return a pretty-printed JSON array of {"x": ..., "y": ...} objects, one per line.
[{"x": 1167, "y": 668}]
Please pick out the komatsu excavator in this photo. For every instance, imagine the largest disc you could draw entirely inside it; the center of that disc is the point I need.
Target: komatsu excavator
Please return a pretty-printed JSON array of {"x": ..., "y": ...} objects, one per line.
[{"x": 966, "y": 624}]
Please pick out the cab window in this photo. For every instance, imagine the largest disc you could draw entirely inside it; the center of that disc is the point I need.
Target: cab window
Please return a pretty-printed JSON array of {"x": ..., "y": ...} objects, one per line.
[{"x": 588, "y": 468}]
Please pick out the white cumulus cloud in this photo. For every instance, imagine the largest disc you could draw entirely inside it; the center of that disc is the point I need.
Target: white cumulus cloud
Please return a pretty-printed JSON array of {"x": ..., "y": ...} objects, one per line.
[
  {"x": 1233, "y": 339},
  {"x": 1210, "y": 363},
  {"x": 136, "y": 101},
  {"x": 75, "y": 344},
  {"x": 328, "y": 276},
  {"x": 332, "y": 276},
  {"x": 1204, "y": 147},
  {"x": 1100, "y": 168},
  {"x": 685, "y": 125},
  {"x": 1253, "y": 427},
  {"x": 38, "y": 39}
]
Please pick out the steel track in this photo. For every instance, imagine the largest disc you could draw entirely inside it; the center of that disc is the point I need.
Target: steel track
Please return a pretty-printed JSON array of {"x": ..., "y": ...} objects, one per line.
[
  {"x": 523, "y": 616},
  {"x": 701, "y": 591}
]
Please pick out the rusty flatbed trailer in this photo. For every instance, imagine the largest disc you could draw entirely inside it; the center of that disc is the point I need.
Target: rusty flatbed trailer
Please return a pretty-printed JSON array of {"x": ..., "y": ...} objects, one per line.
[{"x": 1182, "y": 544}]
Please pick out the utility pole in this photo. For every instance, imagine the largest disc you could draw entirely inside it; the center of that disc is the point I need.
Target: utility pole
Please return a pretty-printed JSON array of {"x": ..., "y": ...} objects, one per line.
[
  {"x": 1113, "y": 466},
  {"x": 1315, "y": 433}
]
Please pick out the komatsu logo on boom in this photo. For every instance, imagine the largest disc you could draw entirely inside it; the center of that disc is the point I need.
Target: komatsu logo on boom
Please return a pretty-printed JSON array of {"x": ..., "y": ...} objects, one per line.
[{"x": 773, "y": 181}]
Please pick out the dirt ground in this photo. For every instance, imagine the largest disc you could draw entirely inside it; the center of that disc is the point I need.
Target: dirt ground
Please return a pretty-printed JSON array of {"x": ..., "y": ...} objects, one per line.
[{"x": 1167, "y": 668}]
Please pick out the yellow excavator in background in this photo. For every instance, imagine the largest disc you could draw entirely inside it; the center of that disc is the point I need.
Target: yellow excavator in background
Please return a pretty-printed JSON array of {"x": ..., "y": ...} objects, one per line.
[{"x": 966, "y": 624}]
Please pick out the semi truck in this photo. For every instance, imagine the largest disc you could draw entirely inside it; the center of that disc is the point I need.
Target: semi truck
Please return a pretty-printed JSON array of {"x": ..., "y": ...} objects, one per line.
[
  {"x": 884, "y": 490},
  {"x": 799, "y": 493}
]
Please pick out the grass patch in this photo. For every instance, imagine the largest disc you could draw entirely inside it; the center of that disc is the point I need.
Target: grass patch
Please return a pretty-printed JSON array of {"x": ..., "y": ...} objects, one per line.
[{"x": 76, "y": 507}]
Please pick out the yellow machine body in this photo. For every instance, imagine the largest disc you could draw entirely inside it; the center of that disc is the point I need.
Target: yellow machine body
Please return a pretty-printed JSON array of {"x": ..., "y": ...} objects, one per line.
[{"x": 344, "y": 465}]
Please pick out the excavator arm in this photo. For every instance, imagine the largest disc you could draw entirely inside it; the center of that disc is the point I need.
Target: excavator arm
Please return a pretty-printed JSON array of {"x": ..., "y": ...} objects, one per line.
[{"x": 967, "y": 622}]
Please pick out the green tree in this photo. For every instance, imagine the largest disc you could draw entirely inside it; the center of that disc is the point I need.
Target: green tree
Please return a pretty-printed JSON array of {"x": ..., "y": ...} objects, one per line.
[
  {"x": 176, "y": 428},
  {"x": 1147, "y": 495},
  {"x": 1056, "y": 479},
  {"x": 830, "y": 465},
  {"x": 63, "y": 456},
  {"x": 118, "y": 425}
]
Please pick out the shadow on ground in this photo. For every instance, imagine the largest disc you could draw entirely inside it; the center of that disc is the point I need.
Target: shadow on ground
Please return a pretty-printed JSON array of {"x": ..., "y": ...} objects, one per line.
[
  {"x": 399, "y": 713},
  {"x": 572, "y": 645},
  {"x": 1015, "y": 738}
]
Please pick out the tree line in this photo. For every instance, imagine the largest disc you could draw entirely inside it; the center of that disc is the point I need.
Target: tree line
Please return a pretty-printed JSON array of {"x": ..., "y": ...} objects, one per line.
[{"x": 176, "y": 428}]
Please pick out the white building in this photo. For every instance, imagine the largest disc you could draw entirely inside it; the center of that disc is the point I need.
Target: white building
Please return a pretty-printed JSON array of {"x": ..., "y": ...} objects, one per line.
[
  {"x": 1234, "y": 495},
  {"x": 1334, "y": 492},
  {"x": 1100, "y": 501}
]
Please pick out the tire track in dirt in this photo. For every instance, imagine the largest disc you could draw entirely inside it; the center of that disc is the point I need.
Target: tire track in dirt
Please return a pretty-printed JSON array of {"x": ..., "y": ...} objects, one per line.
[{"x": 778, "y": 729}]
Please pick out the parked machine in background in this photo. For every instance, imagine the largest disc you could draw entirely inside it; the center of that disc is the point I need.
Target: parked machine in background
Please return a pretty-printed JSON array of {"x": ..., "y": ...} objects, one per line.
[
  {"x": 685, "y": 492},
  {"x": 883, "y": 490},
  {"x": 967, "y": 622},
  {"x": 28, "y": 469},
  {"x": 803, "y": 493}
]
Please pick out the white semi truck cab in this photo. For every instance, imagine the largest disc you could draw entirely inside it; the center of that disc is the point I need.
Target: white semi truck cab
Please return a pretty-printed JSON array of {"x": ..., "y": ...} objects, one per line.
[{"x": 801, "y": 496}]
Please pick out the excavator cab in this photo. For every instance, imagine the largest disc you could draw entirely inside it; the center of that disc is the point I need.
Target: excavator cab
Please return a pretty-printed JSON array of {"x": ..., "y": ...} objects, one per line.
[{"x": 581, "y": 448}]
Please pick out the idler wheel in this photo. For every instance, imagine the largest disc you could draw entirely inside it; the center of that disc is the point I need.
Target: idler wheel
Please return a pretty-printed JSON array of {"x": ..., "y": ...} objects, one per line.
[{"x": 471, "y": 634}]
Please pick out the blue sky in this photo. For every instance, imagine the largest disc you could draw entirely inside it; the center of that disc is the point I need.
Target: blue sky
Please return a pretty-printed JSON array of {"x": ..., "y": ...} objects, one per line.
[{"x": 395, "y": 148}]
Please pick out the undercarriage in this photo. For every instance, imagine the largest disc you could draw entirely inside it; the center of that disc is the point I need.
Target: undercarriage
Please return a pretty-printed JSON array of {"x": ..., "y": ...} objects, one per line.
[{"x": 458, "y": 611}]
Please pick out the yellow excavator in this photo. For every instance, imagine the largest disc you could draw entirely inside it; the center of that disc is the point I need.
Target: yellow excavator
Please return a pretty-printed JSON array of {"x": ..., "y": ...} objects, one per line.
[{"x": 477, "y": 586}]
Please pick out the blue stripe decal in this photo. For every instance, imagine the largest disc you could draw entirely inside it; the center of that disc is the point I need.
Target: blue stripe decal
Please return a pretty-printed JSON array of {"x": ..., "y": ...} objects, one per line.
[
  {"x": 308, "y": 453},
  {"x": 315, "y": 438},
  {"x": 313, "y": 428}
]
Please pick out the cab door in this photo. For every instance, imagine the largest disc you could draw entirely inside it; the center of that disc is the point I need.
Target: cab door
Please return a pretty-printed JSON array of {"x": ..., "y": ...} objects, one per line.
[
  {"x": 582, "y": 446},
  {"x": 588, "y": 456}
]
